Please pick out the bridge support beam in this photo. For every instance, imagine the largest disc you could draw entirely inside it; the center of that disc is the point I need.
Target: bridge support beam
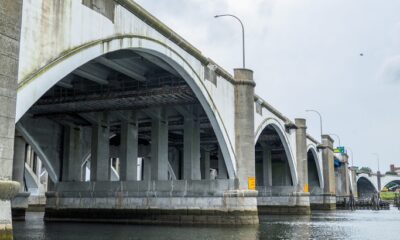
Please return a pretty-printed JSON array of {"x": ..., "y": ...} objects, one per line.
[
  {"x": 353, "y": 180},
  {"x": 100, "y": 169},
  {"x": 222, "y": 171},
  {"x": 191, "y": 148},
  {"x": 303, "y": 195},
  {"x": 342, "y": 182},
  {"x": 72, "y": 153},
  {"x": 129, "y": 149},
  {"x": 20, "y": 202},
  {"x": 244, "y": 126},
  {"x": 10, "y": 26},
  {"x": 159, "y": 146},
  {"x": 327, "y": 200},
  {"x": 267, "y": 166}
]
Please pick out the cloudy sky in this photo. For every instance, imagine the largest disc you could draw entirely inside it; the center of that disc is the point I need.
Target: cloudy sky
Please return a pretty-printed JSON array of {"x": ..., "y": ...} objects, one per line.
[{"x": 339, "y": 57}]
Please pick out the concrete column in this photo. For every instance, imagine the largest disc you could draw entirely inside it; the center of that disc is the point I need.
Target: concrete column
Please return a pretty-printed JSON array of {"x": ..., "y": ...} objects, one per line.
[
  {"x": 72, "y": 154},
  {"x": 329, "y": 198},
  {"x": 19, "y": 162},
  {"x": 378, "y": 176},
  {"x": 345, "y": 175},
  {"x": 191, "y": 149},
  {"x": 328, "y": 166},
  {"x": 301, "y": 155},
  {"x": 100, "y": 168},
  {"x": 222, "y": 172},
  {"x": 28, "y": 155},
  {"x": 354, "y": 181},
  {"x": 129, "y": 149},
  {"x": 10, "y": 27},
  {"x": 146, "y": 169},
  {"x": 159, "y": 146},
  {"x": 19, "y": 203},
  {"x": 244, "y": 126},
  {"x": 207, "y": 165},
  {"x": 267, "y": 166}
]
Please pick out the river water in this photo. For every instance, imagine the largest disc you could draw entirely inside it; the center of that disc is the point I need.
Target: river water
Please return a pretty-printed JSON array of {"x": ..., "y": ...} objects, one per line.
[{"x": 361, "y": 224}]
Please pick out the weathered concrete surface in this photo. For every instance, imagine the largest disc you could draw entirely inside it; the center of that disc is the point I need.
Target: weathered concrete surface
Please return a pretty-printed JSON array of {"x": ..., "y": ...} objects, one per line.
[
  {"x": 302, "y": 191},
  {"x": 173, "y": 202},
  {"x": 19, "y": 203},
  {"x": 327, "y": 200},
  {"x": 282, "y": 200},
  {"x": 244, "y": 126},
  {"x": 10, "y": 26},
  {"x": 60, "y": 36}
]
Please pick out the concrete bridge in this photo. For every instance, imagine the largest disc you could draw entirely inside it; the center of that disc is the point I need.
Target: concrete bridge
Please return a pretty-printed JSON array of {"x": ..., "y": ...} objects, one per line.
[
  {"x": 369, "y": 183},
  {"x": 134, "y": 124}
]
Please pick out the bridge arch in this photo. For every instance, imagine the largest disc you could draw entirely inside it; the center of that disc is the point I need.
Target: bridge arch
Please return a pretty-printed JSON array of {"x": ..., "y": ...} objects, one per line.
[
  {"x": 365, "y": 187},
  {"x": 274, "y": 128},
  {"x": 314, "y": 169},
  {"x": 37, "y": 84},
  {"x": 389, "y": 179}
]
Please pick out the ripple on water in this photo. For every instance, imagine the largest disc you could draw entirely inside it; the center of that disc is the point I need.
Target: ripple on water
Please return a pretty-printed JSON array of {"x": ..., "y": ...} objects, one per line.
[{"x": 320, "y": 225}]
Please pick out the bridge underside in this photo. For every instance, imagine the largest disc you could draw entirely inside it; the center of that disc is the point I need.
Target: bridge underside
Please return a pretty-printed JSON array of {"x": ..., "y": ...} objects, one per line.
[
  {"x": 314, "y": 185},
  {"x": 365, "y": 188},
  {"x": 276, "y": 192},
  {"x": 129, "y": 116}
]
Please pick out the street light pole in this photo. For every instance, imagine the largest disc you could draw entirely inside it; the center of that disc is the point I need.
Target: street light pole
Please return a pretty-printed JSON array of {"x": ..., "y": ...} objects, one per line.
[
  {"x": 320, "y": 119},
  {"x": 332, "y": 134},
  {"x": 243, "y": 39},
  {"x": 377, "y": 157}
]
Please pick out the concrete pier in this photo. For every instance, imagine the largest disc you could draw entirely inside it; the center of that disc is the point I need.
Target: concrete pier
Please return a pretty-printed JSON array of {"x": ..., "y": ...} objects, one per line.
[
  {"x": 326, "y": 200},
  {"x": 10, "y": 27},
  {"x": 20, "y": 202},
  {"x": 153, "y": 202},
  {"x": 302, "y": 191}
]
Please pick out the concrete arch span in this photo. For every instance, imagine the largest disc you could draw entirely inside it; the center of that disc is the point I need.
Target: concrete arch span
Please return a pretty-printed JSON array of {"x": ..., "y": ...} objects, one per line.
[
  {"x": 36, "y": 85},
  {"x": 387, "y": 179},
  {"x": 365, "y": 188},
  {"x": 315, "y": 178},
  {"x": 270, "y": 133}
]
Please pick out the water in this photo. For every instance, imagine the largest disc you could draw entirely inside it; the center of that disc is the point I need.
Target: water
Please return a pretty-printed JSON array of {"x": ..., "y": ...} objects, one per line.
[{"x": 362, "y": 224}]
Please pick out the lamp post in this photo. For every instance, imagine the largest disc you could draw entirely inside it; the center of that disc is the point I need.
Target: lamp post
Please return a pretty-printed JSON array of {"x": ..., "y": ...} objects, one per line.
[
  {"x": 332, "y": 134},
  {"x": 320, "y": 119},
  {"x": 377, "y": 158},
  {"x": 243, "y": 41}
]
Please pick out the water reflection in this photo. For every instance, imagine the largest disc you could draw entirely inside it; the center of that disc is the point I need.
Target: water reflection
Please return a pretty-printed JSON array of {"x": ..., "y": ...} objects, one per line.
[{"x": 320, "y": 225}]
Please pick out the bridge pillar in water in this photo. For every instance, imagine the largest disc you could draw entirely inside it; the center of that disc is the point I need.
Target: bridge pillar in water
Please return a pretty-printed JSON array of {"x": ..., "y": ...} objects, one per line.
[
  {"x": 302, "y": 193},
  {"x": 129, "y": 149},
  {"x": 191, "y": 147},
  {"x": 342, "y": 180},
  {"x": 244, "y": 126},
  {"x": 379, "y": 177},
  {"x": 244, "y": 140},
  {"x": 353, "y": 180},
  {"x": 328, "y": 201},
  {"x": 100, "y": 162},
  {"x": 20, "y": 202},
  {"x": 71, "y": 154},
  {"x": 159, "y": 145},
  {"x": 10, "y": 26}
]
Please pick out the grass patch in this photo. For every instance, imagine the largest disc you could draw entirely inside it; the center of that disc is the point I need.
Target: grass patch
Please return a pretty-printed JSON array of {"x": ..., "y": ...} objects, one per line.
[{"x": 388, "y": 195}]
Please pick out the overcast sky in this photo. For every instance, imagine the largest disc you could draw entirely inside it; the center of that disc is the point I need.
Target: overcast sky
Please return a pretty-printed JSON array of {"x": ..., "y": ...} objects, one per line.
[{"x": 306, "y": 54}]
